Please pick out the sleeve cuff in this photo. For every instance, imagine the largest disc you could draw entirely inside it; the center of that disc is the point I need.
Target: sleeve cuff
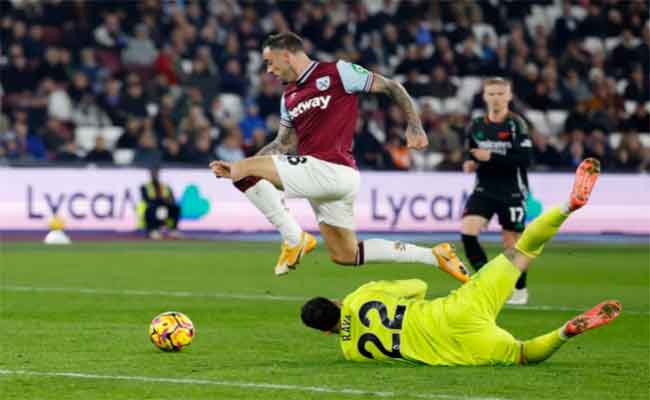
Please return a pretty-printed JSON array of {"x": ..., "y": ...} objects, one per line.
[
  {"x": 286, "y": 123},
  {"x": 369, "y": 80}
]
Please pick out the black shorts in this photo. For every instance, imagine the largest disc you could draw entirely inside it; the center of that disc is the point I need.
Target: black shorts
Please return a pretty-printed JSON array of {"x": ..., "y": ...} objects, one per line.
[{"x": 512, "y": 213}]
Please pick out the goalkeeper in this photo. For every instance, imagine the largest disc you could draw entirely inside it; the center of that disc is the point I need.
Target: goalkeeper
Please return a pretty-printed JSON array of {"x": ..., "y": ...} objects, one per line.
[{"x": 390, "y": 320}]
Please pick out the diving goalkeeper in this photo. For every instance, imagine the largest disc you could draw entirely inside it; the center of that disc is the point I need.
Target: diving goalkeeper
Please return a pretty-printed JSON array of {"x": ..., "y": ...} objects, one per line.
[{"x": 390, "y": 320}]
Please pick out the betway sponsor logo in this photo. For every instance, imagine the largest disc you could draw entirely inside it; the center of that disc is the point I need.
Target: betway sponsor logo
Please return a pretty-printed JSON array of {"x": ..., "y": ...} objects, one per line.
[{"x": 316, "y": 102}]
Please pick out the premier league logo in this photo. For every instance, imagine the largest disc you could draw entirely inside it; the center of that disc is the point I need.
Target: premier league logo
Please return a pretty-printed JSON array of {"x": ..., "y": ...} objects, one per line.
[{"x": 323, "y": 83}]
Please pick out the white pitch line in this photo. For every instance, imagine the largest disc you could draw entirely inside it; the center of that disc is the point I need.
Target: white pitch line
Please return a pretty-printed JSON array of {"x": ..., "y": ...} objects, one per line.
[
  {"x": 244, "y": 385},
  {"x": 242, "y": 296}
]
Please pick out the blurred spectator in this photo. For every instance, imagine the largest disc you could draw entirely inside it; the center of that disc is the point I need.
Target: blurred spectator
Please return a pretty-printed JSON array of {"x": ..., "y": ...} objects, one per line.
[
  {"x": 17, "y": 77},
  {"x": 399, "y": 153},
  {"x": 629, "y": 153},
  {"x": 165, "y": 122},
  {"x": 593, "y": 23},
  {"x": 468, "y": 61},
  {"x": 131, "y": 136},
  {"x": 203, "y": 79},
  {"x": 167, "y": 63},
  {"x": 20, "y": 143},
  {"x": 90, "y": 68},
  {"x": 639, "y": 121},
  {"x": 638, "y": 87},
  {"x": 257, "y": 142},
  {"x": 110, "y": 102},
  {"x": 368, "y": 151},
  {"x": 134, "y": 102},
  {"x": 413, "y": 85},
  {"x": 140, "y": 50},
  {"x": 193, "y": 122},
  {"x": 87, "y": 113},
  {"x": 52, "y": 67},
  {"x": 68, "y": 152},
  {"x": 598, "y": 147},
  {"x": 625, "y": 55},
  {"x": 440, "y": 85},
  {"x": 230, "y": 148},
  {"x": 55, "y": 134},
  {"x": 578, "y": 119},
  {"x": 268, "y": 100},
  {"x": 109, "y": 34},
  {"x": 566, "y": 27},
  {"x": 576, "y": 87},
  {"x": 232, "y": 80},
  {"x": 251, "y": 122},
  {"x": 147, "y": 152},
  {"x": 199, "y": 151},
  {"x": 545, "y": 155},
  {"x": 99, "y": 154},
  {"x": 171, "y": 150},
  {"x": 451, "y": 161}
]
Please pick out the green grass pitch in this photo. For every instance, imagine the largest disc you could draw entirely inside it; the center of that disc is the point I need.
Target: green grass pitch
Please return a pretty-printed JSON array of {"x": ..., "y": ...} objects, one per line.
[{"x": 74, "y": 322}]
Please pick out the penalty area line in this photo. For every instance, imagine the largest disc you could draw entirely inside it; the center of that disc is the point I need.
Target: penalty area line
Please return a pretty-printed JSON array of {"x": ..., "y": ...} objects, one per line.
[{"x": 242, "y": 385}]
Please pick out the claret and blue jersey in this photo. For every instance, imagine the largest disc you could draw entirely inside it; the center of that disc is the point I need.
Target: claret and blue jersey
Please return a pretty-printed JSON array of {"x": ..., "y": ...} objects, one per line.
[{"x": 321, "y": 105}]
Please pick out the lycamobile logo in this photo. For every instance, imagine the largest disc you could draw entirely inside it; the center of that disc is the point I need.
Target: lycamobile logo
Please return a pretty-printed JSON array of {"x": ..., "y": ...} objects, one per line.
[{"x": 193, "y": 205}]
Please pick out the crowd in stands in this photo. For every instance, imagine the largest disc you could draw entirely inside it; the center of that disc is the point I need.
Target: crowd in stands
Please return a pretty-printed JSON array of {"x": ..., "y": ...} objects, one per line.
[{"x": 152, "y": 81}]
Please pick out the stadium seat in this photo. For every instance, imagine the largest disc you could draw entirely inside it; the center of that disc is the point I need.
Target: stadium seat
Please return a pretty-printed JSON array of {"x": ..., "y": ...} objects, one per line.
[
  {"x": 453, "y": 105},
  {"x": 538, "y": 119},
  {"x": 109, "y": 60},
  {"x": 611, "y": 43},
  {"x": 85, "y": 136},
  {"x": 467, "y": 88},
  {"x": 552, "y": 13},
  {"x": 621, "y": 85},
  {"x": 630, "y": 106},
  {"x": 123, "y": 156},
  {"x": 615, "y": 139},
  {"x": 594, "y": 44},
  {"x": 556, "y": 119},
  {"x": 233, "y": 105},
  {"x": 478, "y": 113}
]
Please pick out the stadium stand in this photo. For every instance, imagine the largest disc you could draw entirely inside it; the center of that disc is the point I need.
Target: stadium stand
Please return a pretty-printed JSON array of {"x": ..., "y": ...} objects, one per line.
[{"x": 182, "y": 82}]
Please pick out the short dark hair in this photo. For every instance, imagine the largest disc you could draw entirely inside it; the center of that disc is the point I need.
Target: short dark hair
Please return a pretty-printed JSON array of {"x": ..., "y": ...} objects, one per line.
[
  {"x": 320, "y": 313},
  {"x": 286, "y": 41}
]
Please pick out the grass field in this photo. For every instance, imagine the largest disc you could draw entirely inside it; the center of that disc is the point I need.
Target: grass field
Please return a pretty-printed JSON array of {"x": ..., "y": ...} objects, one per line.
[{"x": 74, "y": 324}]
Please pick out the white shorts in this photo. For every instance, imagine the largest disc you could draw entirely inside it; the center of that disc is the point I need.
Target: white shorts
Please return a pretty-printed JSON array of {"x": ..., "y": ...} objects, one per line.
[{"x": 330, "y": 188}]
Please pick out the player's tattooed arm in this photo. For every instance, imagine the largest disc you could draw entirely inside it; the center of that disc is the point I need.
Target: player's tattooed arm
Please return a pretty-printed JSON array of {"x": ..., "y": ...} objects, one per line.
[
  {"x": 284, "y": 142},
  {"x": 415, "y": 135}
]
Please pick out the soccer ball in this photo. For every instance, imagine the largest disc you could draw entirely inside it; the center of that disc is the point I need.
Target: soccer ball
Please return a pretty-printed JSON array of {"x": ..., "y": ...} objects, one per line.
[{"x": 171, "y": 331}]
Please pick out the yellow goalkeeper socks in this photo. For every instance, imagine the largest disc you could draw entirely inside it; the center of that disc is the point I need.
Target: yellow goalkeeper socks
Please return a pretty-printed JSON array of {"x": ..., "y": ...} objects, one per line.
[
  {"x": 540, "y": 231},
  {"x": 542, "y": 347}
]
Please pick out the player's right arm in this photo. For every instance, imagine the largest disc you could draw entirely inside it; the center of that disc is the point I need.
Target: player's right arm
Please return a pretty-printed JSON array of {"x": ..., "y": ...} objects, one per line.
[{"x": 285, "y": 142}]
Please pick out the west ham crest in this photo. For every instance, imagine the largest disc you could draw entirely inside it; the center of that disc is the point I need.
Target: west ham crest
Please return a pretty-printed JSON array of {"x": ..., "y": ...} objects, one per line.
[{"x": 323, "y": 83}]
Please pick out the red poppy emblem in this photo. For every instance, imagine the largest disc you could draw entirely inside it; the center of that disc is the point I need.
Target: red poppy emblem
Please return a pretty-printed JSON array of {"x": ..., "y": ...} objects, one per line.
[{"x": 504, "y": 135}]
